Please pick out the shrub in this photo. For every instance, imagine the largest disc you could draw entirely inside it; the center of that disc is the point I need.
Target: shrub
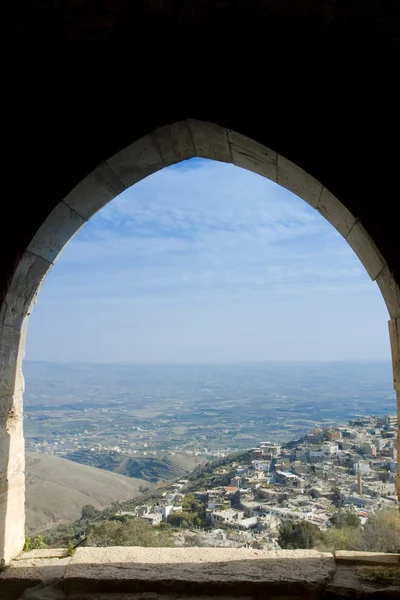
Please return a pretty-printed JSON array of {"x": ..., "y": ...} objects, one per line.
[{"x": 298, "y": 534}]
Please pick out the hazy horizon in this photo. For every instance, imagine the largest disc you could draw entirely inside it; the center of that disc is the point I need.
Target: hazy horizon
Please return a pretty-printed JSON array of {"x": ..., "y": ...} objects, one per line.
[{"x": 205, "y": 363}]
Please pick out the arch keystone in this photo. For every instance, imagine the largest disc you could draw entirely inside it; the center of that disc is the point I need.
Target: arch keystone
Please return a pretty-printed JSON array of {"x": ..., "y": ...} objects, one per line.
[
  {"x": 175, "y": 142},
  {"x": 253, "y": 156},
  {"x": 210, "y": 141}
]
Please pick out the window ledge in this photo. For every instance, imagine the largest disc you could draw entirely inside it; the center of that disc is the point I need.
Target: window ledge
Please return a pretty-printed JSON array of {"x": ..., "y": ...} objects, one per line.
[{"x": 125, "y": 573}]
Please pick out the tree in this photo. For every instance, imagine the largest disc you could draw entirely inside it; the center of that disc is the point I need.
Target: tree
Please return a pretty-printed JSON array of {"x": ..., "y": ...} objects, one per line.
[
  {"x": 194, "y": 541},
  {"x": 336, "y": 496},
  {"x": 298, "y": 534},
  {"x": 346, "y": 538},
  {"x": 344, "y": 518},
  {"x": 89, "y": 512},
  {"x": 381, "y": 532},
  {"x": 314, "y": 493},
  {"x": 181, "y": 519}
]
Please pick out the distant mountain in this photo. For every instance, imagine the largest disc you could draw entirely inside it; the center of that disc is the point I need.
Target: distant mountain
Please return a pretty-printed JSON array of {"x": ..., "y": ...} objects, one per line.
[
  {"x": 56, "y": 489},
  {"x": 147, "y": 468}
]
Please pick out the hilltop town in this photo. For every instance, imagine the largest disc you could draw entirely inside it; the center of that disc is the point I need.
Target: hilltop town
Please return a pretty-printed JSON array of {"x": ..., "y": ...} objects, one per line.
[{"x": 245, "y": 499}]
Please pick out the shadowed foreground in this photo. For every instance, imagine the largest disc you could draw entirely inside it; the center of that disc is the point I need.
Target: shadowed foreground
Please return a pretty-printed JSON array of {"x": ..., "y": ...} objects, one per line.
[{"x": 150, "y": 573}]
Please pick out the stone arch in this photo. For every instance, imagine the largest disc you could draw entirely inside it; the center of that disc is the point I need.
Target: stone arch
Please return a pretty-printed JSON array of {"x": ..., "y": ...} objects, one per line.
[{"x": 163, "y": 147}]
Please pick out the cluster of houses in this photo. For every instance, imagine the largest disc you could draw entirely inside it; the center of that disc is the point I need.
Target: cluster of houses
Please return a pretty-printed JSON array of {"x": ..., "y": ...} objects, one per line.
[
  {"x": 169, "y": 502},
  {"x": 353, "y": 466}
]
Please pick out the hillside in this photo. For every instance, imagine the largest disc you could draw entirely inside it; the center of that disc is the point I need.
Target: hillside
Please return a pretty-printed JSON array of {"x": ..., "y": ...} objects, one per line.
[
  {"x": 148, "y": 468},
  {"x": 56, "y": 489}
]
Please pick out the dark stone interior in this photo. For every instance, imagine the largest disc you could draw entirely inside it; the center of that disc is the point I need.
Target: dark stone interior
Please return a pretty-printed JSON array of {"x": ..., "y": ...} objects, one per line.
[{"x": 315, "y": 80}]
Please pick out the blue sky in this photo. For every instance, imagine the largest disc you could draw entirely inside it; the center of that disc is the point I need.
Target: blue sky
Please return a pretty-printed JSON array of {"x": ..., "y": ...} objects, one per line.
[{"x": 206, "y": 262}]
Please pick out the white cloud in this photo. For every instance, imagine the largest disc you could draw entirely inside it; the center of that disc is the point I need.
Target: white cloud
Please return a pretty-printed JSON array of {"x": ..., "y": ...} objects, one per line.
[{"x": 206, "y": 241}]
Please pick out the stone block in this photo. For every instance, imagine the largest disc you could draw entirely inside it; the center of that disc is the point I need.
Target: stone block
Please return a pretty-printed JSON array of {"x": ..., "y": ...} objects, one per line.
[
  {"x": 390, "y": 291},
  {"x": 210, "y": 141},
  {"x": 251, "y": 155},
  {"x": 293, "y": 178},
  {"x": 366, "y": 250},
  {"x": 11, "y": 379},
  {"x": 59, "y": 227},
  {"x": 174, "y": 142},
  {"x": 198, "y": 571},
  {"x": 12, "y": 517},
  {"x": 36, "y": 574},
  {"x": 334, "y": 212},
  {"x": 394, "y": 334},
  {"x": 43, "y": 553},
  {"x": 137, "y": 161},
  {"x": 366, "y": 558},
  {"x": 12, "y": 450},
  {"x": 95, "y": 191},
  {"x": 25, "y": 284}
]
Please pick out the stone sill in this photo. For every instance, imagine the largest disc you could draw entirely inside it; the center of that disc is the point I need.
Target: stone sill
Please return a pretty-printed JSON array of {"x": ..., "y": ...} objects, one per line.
[{"x": 119, "y": 572}]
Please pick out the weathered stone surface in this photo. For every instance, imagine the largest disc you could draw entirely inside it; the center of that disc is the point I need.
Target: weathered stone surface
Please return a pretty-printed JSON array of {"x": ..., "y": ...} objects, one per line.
[
  {"x": 366, "y": 250},
  {"x": 394, "y": 334},
  {"x": 210, "y": 141},
  {"x": 43, "y": 553},
  {"x": 366, "y": 558},
  {"x": 390, "y": 292},
  {"x": 12, "y": 450},
  {"x": 24, "y": 287},
  {"x": 197, "y": 570},
  {"x": 293, "y": 178},
  {"x": 12, "y": 516},
  {"x": 334, "y": 212},
  {"x": 29, "y": 573},
  {"x": 160, "y": 574},
  {"x": 344, "y": 584},
  {"x": 252, "y": 156},
  {"x": 359, "y": 583},
  {"x": 58, "y": 229},
  {"x": 10, "y": 382},
  {"x": 175, "y": 142},
  {"x": 95, "y": 191},
  {"x": 137, "y": 161},
  {"x": 44, "y": 592}
]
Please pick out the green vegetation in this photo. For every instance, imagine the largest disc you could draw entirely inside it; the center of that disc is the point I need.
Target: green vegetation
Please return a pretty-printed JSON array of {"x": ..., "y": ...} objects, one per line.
[
  {"x": 33, "y": 543},
  {"x": 381, "y": 533},
  {"x": 70, "y": 548},
  {"x": 193, "y": 513},
  {"x": 89, "y": 512},
  {"x": 344, "y": 518},
  {"x": 134, "y": 532},
  {"x": 298, "y": 534}
]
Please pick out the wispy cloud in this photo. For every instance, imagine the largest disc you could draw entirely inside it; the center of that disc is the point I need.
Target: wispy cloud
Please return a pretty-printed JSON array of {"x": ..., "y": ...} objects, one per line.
[{"x": 203, "y": 236}]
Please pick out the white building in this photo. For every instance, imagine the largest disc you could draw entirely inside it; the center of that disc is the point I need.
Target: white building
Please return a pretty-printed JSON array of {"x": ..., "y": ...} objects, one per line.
[
  {"x": 152, "y": 518},
  {"x": 362, "y": 467}
]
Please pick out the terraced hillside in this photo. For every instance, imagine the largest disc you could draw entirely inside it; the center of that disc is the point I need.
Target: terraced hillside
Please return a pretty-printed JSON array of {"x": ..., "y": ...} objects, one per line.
[{"x": 150, "y": 469}]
